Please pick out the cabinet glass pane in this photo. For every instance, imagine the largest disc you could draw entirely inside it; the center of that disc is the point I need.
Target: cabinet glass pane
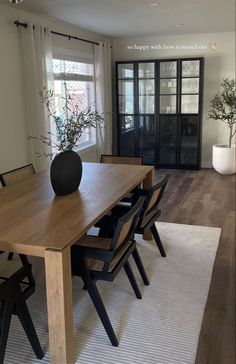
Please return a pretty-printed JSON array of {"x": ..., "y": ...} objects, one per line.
[
  {"x": 190, "y": 85},
  {"x": 147, "y": 138},
  {"x": 167, "y": 104},
  {"x": 146, "y": 70},
  {"x": 189, "y": 157},
  {"x": 168, "y": 86},
  {"x": 167, "y": 155},
  {"x": 126, "y": 88},
  {"x": 168, "y": 139},
  {"x": 168, "y": 69},
  {"x": 126, "y": 104},
  {"x": 189, "y": 131},
  {"x": 190, "y": 68},
  {"x": 127, "y": 122},
  {"x": 127, "y": 135},
  {"x": 146, "y": 104},
  {"x": 126, "y": 70},
  {"x": 189, "y": 104},
  {"x": 146, "y": 87}
]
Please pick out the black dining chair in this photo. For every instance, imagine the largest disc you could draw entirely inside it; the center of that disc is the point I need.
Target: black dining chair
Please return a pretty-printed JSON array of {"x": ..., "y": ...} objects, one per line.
[
  {"x": 120, "y": 159},
  {"x": 14, "y": 291},
  {"x": 25, "y": 262},
  {"x": 16, "y": 175},
  {"x": 97, "y": 258},
  {"x": 148, "y": 216}
]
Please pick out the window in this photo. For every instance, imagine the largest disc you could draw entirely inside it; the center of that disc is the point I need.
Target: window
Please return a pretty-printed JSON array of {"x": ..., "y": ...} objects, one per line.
[{"x": 75, "y": 77}]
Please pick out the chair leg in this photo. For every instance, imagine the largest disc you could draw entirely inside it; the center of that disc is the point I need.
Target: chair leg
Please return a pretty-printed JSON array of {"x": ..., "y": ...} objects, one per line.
[
  {"x": 100, "y": 308},
  {"x": 158, "y": 240},
  {"x": 140, "y": 266},
  {"x": 5, "y": 320},
  {"x": 27, "y": 323},
  {"x": 10, "y": 256},
  {"x": 25, "y": 261},
  {"x": 132, "y": 280},
  {"x": 84, "y": 286}
]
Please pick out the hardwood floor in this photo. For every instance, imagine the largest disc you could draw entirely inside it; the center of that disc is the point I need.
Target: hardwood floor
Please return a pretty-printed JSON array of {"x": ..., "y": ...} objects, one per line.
[{"x": 206, "y": 198}]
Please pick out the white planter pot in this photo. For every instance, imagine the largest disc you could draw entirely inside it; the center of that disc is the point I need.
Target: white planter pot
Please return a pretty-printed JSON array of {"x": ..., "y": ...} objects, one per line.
[{"x": 224, "y": 160}]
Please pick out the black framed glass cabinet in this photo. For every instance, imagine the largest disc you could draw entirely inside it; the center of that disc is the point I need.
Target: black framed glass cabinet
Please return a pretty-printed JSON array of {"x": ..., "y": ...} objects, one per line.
[{"x": 159, "y": 111}]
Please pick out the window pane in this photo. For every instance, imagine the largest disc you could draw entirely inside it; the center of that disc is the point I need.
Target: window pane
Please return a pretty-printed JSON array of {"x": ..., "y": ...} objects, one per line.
[
  {"x": 190, "y": 68},
  {"x": 168, "y": 86},
  {"x": 125, "y": 71},
  {"x": 146, "y": 70},
  {"x": 126, "y": 104},
  {"x": 126, "y": 88},
  {"x": 189, "y": 156},
  {"x": 61, "y": 66},
  {"x": 127, "y": 135},
  {"x": 190, "y": 85},
  {"x": 147, "y": 138},
  {"x": 189, "y": 131},
  {"x": 146, "y": 104},
  {"x": 82, "y": 93},
  {"x": 189, "y": 104},
  {"x": 168, "y": 139},
  {"x": 168, "y": 69},
  {"x": 168, "y": 104},
  {"x": 127, "y": 122},
  {"x": 146, "y": 87}
]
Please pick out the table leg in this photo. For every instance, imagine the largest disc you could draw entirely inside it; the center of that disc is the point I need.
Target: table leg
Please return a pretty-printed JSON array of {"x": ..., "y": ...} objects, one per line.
[
  {"x": 59, "y": 302},
  {"x": 148, "y": 183}
]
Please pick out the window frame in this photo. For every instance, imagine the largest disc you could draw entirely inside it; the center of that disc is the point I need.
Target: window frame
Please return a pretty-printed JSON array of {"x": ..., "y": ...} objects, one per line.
[{"x": 81, "y": 57}]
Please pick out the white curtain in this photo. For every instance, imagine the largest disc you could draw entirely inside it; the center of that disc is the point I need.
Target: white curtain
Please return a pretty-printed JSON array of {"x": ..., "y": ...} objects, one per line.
[
  {"x": 104, "y": 96},
  {"x": 37, "y": 75}
]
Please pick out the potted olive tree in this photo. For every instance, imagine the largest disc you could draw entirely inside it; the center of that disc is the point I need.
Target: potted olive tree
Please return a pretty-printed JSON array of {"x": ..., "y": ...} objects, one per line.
[{"x": 223, "y": 107}]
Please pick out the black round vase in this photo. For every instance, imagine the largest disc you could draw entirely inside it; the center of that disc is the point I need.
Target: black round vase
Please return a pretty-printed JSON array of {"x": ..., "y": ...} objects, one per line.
[{"x": 66, "y": 172}]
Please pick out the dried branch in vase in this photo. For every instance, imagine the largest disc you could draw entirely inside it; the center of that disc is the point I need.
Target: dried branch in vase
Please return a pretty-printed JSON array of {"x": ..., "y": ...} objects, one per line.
[{"x": 69, "y": 127}]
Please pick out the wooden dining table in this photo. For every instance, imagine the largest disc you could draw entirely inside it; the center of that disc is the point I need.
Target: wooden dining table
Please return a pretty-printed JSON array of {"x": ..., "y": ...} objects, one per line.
[{"x": 35, "y": 222}]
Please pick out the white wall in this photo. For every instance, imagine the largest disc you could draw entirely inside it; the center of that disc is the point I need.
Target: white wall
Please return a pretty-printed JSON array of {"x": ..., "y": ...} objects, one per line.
[
  {"x": 13, "y": 138},
  {"x": 219, "y": 64}
]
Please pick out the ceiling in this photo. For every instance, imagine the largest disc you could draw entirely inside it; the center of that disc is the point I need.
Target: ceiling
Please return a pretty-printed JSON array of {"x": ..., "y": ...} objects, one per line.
[{"x": 124, "y": 18}]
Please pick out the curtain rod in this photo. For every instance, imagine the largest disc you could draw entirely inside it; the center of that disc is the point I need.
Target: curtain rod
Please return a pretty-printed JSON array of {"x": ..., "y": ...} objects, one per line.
[{"x": 25, "y": 25}]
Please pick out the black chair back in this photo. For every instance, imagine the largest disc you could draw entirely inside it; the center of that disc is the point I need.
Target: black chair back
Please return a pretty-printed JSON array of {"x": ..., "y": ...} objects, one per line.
[
  {"x": 124, "y": 231},
  {"x": 10, "y": 178},
  {"x": 8, "y": 286},
  {"x": 14, "y": 291},
  {"x": 117, "y": 159},
  {"x": 153, "y": 198},
  {"x": 16, "y": 175}
]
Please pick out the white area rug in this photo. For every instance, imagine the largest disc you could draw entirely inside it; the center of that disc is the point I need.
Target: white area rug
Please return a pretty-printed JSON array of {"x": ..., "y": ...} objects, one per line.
[{"x": 162, "y": 328}]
